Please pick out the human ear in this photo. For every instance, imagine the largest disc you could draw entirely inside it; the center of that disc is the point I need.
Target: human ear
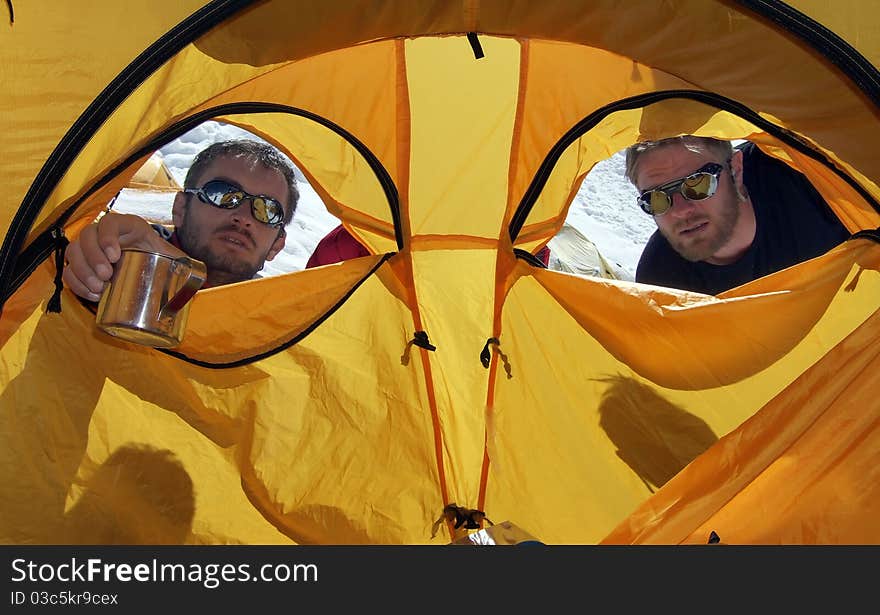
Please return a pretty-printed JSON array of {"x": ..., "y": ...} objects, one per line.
[
  {"x": 277, "y": 245},
  {"x": 178, "y": 209},
  {"x": 736, "y": 165}
]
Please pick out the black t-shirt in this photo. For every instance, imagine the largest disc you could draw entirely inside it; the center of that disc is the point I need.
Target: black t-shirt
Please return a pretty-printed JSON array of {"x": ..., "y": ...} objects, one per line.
[{"x": 793, "y": 224}]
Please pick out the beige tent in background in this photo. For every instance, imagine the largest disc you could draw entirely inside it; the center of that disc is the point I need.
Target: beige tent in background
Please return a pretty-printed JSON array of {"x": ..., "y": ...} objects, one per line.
[
  {"x": 154, "y": 175},
  {"x": 573, "y": 252}
]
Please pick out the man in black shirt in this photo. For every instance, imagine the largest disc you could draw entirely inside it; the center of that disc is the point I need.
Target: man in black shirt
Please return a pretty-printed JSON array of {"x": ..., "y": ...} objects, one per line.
[{"x": 724, "y": 216}]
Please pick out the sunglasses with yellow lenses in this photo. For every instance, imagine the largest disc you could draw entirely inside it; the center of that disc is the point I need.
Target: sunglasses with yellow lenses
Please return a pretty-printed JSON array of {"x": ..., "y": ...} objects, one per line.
[
  {"x": 699, "y": 185},
  {"x": 224, "y": 195}
]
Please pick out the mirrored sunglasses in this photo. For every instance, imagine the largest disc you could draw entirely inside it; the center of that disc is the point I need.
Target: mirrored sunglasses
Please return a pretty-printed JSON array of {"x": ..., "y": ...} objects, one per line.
[
  {"x": 697, "y": 186},
  {"x": 224, "y": 195}
]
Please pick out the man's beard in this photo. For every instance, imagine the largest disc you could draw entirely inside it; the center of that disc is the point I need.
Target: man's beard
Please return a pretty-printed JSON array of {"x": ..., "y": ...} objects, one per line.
[
  {"x": 223, "y": 268},
  {"x": 722, "y": 228}
]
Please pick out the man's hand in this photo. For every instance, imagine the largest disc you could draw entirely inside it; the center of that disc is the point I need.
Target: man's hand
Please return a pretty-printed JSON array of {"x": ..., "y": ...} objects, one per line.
[{"x": 91, "y": 256}]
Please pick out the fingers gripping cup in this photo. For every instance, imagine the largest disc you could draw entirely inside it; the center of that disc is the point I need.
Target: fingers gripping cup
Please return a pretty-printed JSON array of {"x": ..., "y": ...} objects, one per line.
[{"x": 147, "y": 299}]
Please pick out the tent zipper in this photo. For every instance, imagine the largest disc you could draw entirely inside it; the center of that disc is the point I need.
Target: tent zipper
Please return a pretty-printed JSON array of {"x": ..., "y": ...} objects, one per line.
[
  {"x": 852, "y": 63},
  {"x": 486, "y": 356},
  {"x": 710, "y": 98},
  {"x": 92, "y": 118},
  {"x": 29, "y": 260},
  {"x": 54, "y": 304},
  {"x": 289, "y": 343}
]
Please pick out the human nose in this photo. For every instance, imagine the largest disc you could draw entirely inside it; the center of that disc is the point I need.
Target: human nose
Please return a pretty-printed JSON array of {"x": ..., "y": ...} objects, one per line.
[
  {"x": 243, "y": 214},
  {"x": 681, "y": 207}
]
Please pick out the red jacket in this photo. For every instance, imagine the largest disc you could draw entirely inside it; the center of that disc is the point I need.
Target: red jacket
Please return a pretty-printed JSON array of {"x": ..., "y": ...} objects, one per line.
[{"x": 339, "y": 245}]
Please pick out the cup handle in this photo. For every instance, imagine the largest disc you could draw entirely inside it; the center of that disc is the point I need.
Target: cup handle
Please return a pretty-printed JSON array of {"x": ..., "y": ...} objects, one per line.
[{"x": 198, "y": 273}]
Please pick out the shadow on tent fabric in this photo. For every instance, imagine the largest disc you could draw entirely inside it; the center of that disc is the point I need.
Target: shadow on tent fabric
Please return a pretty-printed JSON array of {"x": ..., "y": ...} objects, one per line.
[
  {"x": 44, "y": 421},
  {"x": 139, "y": 495},
  {"x": 42, "y": 442},
  {"x": 654, "y": 437}
]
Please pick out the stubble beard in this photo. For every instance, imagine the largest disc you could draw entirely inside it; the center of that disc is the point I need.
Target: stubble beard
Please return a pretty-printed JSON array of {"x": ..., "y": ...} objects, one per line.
[
  {"x": 222, "y": 268},
  {"x": 721, "y": 232}
]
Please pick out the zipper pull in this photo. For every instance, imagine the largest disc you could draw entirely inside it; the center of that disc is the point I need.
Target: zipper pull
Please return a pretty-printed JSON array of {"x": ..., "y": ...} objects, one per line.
[
  {"x": 54, "y": 304},
  {"x": 420, "y": 339},
  {"x": 486, "y": 356}
]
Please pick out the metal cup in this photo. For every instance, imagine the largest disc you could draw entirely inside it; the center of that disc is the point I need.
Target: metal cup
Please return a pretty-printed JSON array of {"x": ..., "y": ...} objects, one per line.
[{"x": 147, "y": 299}]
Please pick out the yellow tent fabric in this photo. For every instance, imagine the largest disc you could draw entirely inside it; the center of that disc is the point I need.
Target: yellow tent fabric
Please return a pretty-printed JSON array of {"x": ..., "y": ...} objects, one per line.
[{"x": 450, "y": 138}]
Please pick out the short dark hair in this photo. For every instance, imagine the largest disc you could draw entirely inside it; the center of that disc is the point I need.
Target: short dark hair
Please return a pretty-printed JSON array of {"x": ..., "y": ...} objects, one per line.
[
  {"x": 263, "y": 154},
  {"x": 696, "y": 144}
]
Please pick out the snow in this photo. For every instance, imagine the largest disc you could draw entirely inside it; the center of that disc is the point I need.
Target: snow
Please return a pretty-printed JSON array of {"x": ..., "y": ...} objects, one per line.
[{"x": 604, "y": 209}]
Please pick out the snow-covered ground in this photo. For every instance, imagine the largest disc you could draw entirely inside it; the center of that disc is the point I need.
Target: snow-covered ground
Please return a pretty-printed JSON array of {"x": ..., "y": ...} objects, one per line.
[{"x": 604, "y": 209}]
